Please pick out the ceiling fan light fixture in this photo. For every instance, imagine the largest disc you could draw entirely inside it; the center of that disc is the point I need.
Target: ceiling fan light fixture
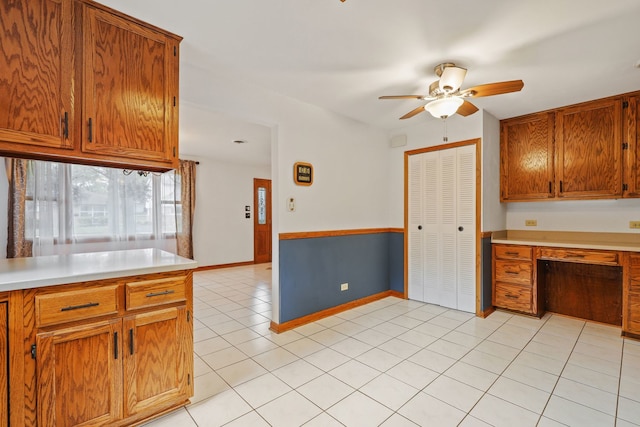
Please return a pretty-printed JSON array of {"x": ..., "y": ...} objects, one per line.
[{"x": 444, "y": 107}]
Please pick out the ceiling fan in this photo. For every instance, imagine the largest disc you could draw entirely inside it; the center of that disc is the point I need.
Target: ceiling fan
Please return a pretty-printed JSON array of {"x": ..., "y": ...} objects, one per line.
[{"x": 446, "y": 98}]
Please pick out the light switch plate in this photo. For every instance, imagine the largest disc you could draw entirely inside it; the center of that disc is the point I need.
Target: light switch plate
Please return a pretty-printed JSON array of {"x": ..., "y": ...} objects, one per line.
[
  {"x": 531, "y": 222},
  {"x": 634, "y": 224}
]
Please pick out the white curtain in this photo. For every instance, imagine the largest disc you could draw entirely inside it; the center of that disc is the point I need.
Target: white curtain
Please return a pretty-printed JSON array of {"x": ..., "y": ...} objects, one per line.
[{"x": 74, "y": 208}]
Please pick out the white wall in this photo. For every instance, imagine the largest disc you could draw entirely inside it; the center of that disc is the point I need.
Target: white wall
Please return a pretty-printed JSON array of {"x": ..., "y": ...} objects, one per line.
[
  {"x": 611, "y": 216},
  {"x": 494, "y": 213},
  {"x": 426, "y": 132},
  {"x": 222, "y": 234}
]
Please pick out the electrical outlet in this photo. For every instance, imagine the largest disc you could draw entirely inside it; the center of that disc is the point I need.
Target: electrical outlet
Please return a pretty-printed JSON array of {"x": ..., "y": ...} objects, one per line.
[
  {"x": 634, "y": 224},
  {"x": 531, "y": 222},
  {"x": 344, "y": 287}
]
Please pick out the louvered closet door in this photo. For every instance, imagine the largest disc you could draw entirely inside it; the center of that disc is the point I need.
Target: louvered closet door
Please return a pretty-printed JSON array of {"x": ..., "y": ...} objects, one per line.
[
  {"x": 442, "y": 216},
  {"x": 415, "y": 244},
  {"x": 466, "y": 231}
]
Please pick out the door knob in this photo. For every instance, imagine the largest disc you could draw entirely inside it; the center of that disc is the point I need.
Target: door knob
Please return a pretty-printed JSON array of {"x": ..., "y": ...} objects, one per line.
[{"x": 460, "y": 228}]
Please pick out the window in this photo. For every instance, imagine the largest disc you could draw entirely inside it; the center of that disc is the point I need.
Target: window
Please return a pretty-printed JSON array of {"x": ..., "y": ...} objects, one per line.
[{"x": 74, "y": 204}]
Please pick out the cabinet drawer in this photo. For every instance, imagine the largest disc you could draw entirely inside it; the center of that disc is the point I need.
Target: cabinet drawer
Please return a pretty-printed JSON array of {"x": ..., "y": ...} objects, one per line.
[
  {"x": 150, "y": 293},
  {"x": 512, "y": 297},
  {"x": 579, "y": 255},
  {"x": 69, "y": 306},
  {"x": 513, "y": 252},
  {"x": 513, "y": 272}
]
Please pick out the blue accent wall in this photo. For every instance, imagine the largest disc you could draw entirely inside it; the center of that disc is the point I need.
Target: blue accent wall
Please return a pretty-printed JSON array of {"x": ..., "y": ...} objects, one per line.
[{"x": 312, "y": 269}]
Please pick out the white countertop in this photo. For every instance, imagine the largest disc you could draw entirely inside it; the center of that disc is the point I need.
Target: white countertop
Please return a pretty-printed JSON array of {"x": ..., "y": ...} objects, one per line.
[
  {"x": 35, "y": 272},
  {"x": 577, "y": 240}
]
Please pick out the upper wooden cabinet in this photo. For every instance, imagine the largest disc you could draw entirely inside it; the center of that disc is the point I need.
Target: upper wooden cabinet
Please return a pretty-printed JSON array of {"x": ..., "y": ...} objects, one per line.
[
  {"x": 36, "y": 74},
  {"x": 82, "y": 83},
  {"x": 631, "y": 187},
  {"x": 526, "y": 157},
  {"x": 574, "y": 152},
  {"x": 589, "y": 147},
  {"x": 130, "y": 89}
]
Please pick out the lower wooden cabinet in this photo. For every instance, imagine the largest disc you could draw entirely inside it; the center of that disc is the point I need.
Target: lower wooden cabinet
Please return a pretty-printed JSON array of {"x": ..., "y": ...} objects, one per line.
[
  {"x": 114, "y": 352},
  {"x": 631, "y": 307},
  {"x": 513, "y": 279},
  {"x": 158, "y": 361},
  {"x": 79, "y": 371},
  {"x": 4, "y": 364}
]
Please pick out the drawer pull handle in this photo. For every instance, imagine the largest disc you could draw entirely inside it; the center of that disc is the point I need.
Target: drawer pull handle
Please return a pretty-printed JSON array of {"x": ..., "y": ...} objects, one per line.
[
  {"x": 511, "y": 296},
  {"x": 515, "y": 273},
  {"x": 81, "y": 306},
  {"x": 576, "y": 256},
  {"x": 158, "y": 294},
  {"x": 512, "y": 253}
]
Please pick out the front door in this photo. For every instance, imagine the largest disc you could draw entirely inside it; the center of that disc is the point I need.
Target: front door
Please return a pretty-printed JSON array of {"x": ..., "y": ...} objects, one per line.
[{"x": 261, "y": 220}]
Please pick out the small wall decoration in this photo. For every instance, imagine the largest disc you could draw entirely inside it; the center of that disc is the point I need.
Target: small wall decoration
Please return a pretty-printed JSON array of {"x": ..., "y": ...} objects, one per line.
[{"x": 303, "y": 173}]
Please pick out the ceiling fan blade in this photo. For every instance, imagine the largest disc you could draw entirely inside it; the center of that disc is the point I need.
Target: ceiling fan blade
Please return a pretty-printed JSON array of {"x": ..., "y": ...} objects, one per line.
[
  {"x": 413, "y": 112},
  {"x": 490, "y": 89},
  {"x": 401, "y": 97},
  {"x": 452, "y": 78},
  {"x": 466, "y": 109}
]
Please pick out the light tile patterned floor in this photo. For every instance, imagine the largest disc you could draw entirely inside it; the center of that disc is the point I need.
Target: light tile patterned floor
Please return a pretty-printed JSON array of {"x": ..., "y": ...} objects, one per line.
[{"x": 399, "y": 363}]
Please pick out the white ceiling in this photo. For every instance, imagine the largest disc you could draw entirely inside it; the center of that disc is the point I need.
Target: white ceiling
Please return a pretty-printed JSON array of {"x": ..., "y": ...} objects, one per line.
[{"x": 342, "y": 56}]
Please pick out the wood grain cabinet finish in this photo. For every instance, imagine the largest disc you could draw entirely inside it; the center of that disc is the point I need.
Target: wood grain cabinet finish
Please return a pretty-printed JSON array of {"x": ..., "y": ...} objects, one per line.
[
  {"x": 631, "y": 298},
  {"x": 82, "y": 83},
  {"x": 589, "y": 150},
  {"x": 130, "y": 89},
  {"x": 79, "y": 372},
  {"x": 583, "y": 151},
  {"x": 631, "y": 145},
  {"x": 4, "y": 363},
  {"x": 114, "y": 366},
  {"x": 526, "y": 157},
  {"x": 513, "y": 278},
  {"x": 36, "y": 74}
]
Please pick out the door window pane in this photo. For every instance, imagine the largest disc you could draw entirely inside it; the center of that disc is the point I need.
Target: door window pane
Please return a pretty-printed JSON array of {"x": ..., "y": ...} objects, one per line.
[{"x": 262, "y": 205}]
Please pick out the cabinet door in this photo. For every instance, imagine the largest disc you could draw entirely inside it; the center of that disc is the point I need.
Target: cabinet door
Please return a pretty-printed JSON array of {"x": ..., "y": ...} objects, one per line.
[
  {"x": 4, "y": 365},
  {"x": 526, "y": 158},
  {"x": 36, "y": 55},
  {"x": 589, "y": 143},
  {"x": 130, "y": 90},
  {"x": 79, "y": 371},
  {"x": 632, "y": 152},
  {"x": 158, "y": 359},
  {"x": 631, "y": 297}
]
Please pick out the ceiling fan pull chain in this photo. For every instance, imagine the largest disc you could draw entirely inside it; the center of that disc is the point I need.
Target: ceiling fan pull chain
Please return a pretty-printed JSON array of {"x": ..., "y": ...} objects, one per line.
[{"x": 445, "y": 138}]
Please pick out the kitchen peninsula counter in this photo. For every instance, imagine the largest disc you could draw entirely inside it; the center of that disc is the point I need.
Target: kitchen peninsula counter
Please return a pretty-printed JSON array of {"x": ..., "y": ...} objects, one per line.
[
  {"x": 102, "y": 338},
  {"x": 36, "y": 272}
]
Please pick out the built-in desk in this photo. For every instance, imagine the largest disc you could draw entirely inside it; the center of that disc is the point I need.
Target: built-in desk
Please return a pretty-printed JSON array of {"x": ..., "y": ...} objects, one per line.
[{"x": 594, "y": 276}]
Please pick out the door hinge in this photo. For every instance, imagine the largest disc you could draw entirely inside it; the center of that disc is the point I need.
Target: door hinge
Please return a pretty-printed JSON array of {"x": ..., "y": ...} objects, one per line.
[
  {"x": 625, "y": 104},
  {"x": 625, "y": 145},
  {"x": 625, "y": 187},
  {"x": 33, "y": 352}
]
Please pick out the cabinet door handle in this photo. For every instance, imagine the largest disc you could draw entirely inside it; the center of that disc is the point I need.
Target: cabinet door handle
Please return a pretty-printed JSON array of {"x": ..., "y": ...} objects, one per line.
[
  {"x": 561, "y": 186},
  {"x": 158, "y": 294},
  {"x": 580, "y": 256},
  {"x": 81, "y": 306},
  {"x": 90, "y": 128},
  {"x": 131, "y": 341},
  {"x": 511, "y": 253},
  {"x": 65, "y": 125},
  {"x": 550, "y": 187},
  {"x": 115, "y": 345}
]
